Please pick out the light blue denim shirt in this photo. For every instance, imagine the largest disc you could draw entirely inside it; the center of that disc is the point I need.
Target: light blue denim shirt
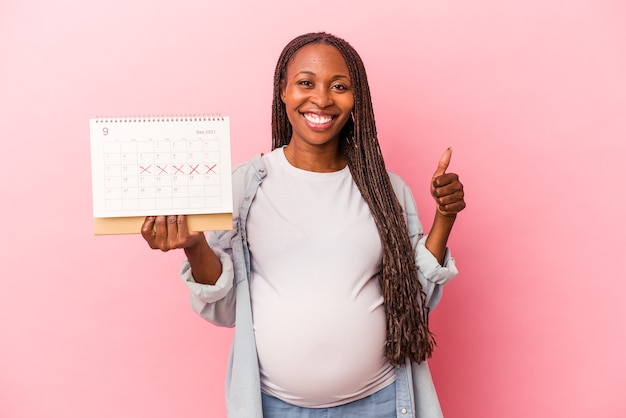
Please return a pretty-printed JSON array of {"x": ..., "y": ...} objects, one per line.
[{"x": 227, "y": 303}]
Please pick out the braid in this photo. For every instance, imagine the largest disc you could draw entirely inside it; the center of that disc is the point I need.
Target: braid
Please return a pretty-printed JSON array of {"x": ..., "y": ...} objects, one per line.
[{"x": 405, "y": 301}]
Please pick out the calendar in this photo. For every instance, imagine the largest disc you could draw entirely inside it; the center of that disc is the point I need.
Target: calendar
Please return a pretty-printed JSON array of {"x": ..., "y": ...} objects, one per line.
[{"x": 160, "y": 166}]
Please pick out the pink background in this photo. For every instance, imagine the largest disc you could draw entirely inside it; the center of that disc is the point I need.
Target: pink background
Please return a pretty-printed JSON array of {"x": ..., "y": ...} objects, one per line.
[{"x": 530, "y": 93}]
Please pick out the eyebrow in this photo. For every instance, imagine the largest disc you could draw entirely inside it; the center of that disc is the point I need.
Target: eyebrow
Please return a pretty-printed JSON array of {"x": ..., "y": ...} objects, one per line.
[{"x": 311, "y": 73}]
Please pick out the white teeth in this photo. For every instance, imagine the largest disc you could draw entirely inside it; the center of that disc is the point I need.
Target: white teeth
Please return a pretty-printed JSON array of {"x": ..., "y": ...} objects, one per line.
[{"x": 313, "y": 118}]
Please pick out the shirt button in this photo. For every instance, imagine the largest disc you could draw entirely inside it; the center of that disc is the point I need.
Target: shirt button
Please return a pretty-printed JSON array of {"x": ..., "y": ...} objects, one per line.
[{"x": 403, "y": 410}]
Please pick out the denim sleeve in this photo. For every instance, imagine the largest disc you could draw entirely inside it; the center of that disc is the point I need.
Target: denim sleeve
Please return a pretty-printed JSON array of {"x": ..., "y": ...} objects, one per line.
[
  {"x": 215, "y": 303},
  {"x": 432, "y": 275}
]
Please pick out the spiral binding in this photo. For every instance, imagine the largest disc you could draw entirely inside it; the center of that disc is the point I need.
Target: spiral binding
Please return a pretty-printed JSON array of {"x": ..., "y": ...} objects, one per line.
[{"x": 149, "y": 119}]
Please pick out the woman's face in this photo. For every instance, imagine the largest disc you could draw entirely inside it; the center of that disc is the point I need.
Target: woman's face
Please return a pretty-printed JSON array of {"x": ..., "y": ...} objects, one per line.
[{"x": 318, "y": 96}]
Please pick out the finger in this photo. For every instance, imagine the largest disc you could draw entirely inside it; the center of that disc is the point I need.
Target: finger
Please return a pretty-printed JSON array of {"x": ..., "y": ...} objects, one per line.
[
  {"x": 147, "y": 229},
  {"x": 451, "y": 198},
  {"x": 160, "y": 233},
  {"x": 172, "y": 231},
  {"x": 183, "y": 230},
  {"x": 452, "y": 208},
  {"x": 444, "y": 162},
  {"x": 446, "y": 182}
]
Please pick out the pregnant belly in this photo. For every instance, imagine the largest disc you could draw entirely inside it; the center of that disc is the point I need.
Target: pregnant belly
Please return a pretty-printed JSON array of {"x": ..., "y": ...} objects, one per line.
[{"x": 316, "y": 353}]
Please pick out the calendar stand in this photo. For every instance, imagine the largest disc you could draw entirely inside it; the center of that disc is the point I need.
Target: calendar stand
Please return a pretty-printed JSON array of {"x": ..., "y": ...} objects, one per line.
[{"x": 132, "y": 225}]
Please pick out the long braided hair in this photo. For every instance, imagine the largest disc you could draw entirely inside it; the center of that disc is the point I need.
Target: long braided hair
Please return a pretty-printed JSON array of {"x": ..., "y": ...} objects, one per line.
[{"x": 405, "y": 301}]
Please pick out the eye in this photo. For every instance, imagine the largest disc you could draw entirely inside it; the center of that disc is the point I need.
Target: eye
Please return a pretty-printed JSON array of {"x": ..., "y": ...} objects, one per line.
[
  {"x": 340, "y": 87},
  {"x": 305, "y": 83}
]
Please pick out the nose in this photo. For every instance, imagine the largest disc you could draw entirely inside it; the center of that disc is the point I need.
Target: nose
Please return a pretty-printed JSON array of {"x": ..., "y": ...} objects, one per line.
[{"x": 321, "y": 97}]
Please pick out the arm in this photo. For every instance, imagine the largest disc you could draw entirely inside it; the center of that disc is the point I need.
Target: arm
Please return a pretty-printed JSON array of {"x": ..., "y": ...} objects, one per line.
[
  {"x": 448, "y": 193},
  {"x": 205, "y": 266},
  {"x": 432, "y": 273},
  {"x": 437, "y": 239},
  {"x": 207, "y": 272}
]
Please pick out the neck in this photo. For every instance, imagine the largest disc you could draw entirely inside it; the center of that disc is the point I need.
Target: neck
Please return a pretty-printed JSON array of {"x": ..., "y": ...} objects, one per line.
[{"x": 321, "y": 160}]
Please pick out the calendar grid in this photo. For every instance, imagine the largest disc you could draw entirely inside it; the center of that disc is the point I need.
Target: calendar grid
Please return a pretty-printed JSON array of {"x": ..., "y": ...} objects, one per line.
[{"x": 172, "y": 167}]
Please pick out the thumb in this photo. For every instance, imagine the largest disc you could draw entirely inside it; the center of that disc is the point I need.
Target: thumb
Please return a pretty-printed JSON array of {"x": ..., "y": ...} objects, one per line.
[{"x": 444, "y": 162}]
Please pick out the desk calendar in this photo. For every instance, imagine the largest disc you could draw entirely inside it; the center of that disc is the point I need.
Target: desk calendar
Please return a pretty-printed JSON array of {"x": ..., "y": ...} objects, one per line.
[{"x": 146, "y": 166}]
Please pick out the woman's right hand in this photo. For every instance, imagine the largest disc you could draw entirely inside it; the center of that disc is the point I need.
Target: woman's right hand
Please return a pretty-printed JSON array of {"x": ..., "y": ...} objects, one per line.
[{"x": 169, "y": 232}]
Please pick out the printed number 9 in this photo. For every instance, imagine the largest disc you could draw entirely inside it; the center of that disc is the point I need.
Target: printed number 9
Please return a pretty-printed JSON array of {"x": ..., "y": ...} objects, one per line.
[{"x": 105, "y": 131}]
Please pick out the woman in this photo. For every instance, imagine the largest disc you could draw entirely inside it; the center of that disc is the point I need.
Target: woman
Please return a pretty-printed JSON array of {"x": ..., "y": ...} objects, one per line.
[{"x": 326, "y": 274}]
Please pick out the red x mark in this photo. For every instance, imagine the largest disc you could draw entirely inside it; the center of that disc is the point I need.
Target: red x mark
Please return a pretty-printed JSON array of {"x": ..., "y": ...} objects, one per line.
[
  {"x": 210, "y": 169},
  {"x": 194, "y": 169},
  {"x": 145, "y": 169},
  {"x": 178, "y": 169},
  {"x": 161, "y": 169}
]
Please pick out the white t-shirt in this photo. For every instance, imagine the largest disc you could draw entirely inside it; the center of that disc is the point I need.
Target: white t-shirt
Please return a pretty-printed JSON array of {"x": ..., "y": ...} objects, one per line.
[{"x": 318, "y": 311}]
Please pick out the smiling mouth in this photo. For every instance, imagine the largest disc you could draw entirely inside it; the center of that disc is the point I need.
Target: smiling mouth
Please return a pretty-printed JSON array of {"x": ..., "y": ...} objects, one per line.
[{"x": 317, "y": 119}]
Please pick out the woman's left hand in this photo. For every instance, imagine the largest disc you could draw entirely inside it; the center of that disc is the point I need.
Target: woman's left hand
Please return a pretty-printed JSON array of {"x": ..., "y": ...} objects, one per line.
[{"x": 446, "y": 188}]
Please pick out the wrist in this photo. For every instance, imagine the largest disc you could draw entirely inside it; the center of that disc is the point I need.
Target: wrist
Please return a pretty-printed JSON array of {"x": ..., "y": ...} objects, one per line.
[
  {"x": 445, "y": 217},
  {"x": 197, "y": 247}
]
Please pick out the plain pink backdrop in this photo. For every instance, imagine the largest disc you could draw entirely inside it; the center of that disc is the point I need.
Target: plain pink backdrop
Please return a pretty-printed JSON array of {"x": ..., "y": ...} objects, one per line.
[{"x": 530, "y": 94}]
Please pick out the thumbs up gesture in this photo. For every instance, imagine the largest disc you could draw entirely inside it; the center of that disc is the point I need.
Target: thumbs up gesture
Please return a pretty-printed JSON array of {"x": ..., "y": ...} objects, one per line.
[{"x": 446, "y": 188}]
